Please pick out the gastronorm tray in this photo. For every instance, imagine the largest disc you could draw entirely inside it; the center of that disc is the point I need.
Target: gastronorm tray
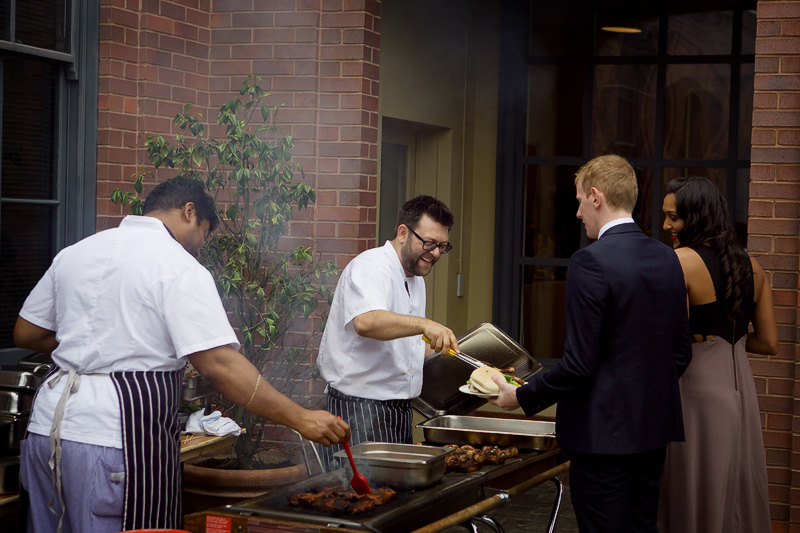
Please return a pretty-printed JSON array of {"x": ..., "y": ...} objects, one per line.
[
  {"x": 408, "y": 466},
  {"x": 484, "y": 431},
  {"x": 12, "y": 429},
  {"x": 16, "y": 402},
  {"x": 19, "y": 379},
  {"x": 443, "y": 375}
]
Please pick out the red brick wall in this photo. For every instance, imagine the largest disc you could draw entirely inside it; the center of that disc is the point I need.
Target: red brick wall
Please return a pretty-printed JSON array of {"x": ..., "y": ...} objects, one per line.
[
  {"x": 320, "y": 58},
  {"x": 773, "y": 227}
]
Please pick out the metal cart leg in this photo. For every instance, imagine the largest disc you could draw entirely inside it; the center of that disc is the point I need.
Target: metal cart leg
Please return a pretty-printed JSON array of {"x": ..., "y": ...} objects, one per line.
[
  {"x": 470, "y": 525},
  {"x": 551, "y": 526},
  {"x": 491, "y": 522}
]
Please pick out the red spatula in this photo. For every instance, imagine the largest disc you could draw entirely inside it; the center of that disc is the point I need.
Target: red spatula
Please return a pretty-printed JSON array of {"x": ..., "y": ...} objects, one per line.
[{"x": 359, "y": 482}]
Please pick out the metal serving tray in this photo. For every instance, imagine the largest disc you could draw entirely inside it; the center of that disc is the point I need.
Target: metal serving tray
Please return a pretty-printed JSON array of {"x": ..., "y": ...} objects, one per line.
[
  {"x": 12, "y": 429},
  {"x": 408, "y": 466},
  {"x": 484, "y": 431},
  {"x": 16, "y": 402},
  {"x": 19, "y": 379},
  {"x": 443, "y": 375}
]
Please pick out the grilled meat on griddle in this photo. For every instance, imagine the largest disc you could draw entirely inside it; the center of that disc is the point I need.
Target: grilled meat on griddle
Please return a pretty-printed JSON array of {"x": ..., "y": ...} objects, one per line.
[
  {"x": 334, "y": 499},
  {"x": 467, "y": 458}
]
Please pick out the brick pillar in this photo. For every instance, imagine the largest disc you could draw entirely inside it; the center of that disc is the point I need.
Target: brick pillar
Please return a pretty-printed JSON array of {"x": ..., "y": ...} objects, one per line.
[
  {"x": 153, "y": 60},
  {"x": 348, "y": 127},
  {"x": 773, "y": 238}
]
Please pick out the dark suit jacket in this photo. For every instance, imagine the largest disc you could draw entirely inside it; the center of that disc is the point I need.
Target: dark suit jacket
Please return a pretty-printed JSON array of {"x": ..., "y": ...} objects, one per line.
[{"x": 627, "y": 343}]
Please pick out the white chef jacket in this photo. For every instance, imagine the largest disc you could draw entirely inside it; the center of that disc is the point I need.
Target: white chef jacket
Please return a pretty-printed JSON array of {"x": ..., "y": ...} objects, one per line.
[
  {"x": 125, "y": 299},
  {"x": 369, "y": 368}
]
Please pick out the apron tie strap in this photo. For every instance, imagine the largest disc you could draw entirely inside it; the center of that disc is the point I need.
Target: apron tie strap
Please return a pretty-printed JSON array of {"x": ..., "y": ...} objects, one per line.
[{"x": 72, "y": 386}]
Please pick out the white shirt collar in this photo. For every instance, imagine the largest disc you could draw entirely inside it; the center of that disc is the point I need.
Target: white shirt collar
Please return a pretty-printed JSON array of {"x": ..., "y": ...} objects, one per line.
[{"x": 615, "y": 222}]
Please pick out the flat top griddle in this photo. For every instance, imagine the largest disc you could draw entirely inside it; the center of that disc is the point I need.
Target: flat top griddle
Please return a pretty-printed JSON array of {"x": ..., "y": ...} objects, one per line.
[{"x": 410, "y": 509}]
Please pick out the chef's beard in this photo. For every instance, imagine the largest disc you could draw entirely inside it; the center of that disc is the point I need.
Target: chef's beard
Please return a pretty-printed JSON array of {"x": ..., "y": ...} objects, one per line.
[{"x": 412, "y": 262}]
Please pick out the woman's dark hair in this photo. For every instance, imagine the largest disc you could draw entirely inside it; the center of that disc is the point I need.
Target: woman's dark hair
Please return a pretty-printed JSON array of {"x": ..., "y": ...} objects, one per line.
[
  {"x": 412, "y": 211},
  {"x": 705, "y": 216},
  {"x": 176, "y": 193}
]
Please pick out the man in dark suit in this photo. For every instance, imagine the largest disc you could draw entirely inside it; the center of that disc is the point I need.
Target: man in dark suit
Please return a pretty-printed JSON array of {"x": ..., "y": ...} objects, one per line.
[{"x": 627, "y": 343}]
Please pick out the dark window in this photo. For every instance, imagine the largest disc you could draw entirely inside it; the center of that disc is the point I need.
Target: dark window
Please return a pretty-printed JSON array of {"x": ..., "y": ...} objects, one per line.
[
  {"x": 48, "y": 143},
  {"x": 666, "y": 83}
]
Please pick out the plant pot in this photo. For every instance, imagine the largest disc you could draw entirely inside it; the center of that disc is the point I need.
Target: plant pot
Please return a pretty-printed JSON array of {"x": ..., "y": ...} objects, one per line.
[{"x": 212, "y": 487}]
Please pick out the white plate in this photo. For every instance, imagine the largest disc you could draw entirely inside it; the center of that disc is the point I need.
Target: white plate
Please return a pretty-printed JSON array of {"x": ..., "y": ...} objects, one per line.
[{"x": 466, "y": 390}]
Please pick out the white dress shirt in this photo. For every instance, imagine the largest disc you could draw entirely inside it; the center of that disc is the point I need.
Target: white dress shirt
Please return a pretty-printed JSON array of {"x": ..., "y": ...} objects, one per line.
[
  {"x": 129, "y": 298},
  {"x": 369, "y": 368},
  {"x": 615, "y": 222}
]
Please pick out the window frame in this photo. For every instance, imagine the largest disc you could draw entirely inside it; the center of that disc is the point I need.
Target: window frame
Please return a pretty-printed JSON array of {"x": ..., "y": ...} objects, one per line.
[
  {"x": 513, "y": 161},
  {"x": 75, "y": 137}
]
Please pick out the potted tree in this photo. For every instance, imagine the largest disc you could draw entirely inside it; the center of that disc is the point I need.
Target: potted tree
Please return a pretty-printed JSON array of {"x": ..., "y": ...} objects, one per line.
[{"x": 270, "y": 285}]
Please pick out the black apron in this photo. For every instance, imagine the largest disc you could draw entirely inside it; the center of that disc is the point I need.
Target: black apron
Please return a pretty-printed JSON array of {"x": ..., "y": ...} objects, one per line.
[{"x": 151, "y": 447}]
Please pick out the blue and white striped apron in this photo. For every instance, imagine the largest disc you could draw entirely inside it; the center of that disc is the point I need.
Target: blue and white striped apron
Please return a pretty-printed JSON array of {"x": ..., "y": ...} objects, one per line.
[
  {"x": 151, "y": 445},
  {"x": 370, "y": 421}
]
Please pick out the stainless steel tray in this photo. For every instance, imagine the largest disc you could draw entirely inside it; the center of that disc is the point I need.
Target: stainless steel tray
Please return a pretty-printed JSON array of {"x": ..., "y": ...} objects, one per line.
[
  {"x": 443, "y": 375},
  {"x": 484, "y": 431},
  {"x": 12, "y": 429},
  {"x": 36, "y": 362},
  {"x": 408, "y": 466},
  {"x": 16, "y": 402},
  {"x": 19, "y": 379}
]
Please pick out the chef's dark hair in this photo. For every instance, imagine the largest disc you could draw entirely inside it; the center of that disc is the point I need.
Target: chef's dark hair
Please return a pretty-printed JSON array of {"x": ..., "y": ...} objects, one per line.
[
  {"x": 413, "y": 210},
  {"x": 176, "y": 193}
]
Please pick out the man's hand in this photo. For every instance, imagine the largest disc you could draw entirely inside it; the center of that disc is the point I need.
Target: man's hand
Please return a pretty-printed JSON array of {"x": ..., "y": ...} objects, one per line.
[
  {"x": 507, "y": 398},
  {"x": 238, "y": 380},
  {"x": 323, "y": 427},
  {"x": 441, "y": 338}
]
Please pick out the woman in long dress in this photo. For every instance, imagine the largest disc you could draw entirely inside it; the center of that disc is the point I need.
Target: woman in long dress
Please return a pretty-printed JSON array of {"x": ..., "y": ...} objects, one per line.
[{"x": 716, "y": 481}]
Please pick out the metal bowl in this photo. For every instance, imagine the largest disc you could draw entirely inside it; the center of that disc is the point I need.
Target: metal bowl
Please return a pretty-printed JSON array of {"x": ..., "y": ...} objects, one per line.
[{"x": 407, "y": 466}]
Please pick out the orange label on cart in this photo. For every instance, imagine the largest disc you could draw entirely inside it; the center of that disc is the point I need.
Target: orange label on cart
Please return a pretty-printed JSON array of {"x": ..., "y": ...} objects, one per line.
[{"x": 218, "y": 524}]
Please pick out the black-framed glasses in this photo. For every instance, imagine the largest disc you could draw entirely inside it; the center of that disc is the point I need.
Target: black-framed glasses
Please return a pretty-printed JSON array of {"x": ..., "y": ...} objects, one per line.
[{"x": 428, "y": 246}]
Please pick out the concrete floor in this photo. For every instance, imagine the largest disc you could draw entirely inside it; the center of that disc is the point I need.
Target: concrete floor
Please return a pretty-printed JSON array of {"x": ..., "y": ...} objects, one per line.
[{"x": 530, "y": 512}]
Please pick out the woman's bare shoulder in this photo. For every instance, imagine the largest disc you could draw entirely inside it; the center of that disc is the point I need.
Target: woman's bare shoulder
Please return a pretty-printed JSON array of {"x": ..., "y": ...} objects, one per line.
[{"x": 690, "y": 260}]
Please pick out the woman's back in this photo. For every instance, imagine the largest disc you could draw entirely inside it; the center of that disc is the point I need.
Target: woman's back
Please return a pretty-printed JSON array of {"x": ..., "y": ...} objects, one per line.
[{"x": 708, "y": 315}]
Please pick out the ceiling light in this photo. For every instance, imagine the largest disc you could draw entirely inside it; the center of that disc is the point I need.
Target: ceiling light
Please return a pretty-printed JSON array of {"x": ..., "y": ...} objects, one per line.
[{"x": 621, "y": 29}]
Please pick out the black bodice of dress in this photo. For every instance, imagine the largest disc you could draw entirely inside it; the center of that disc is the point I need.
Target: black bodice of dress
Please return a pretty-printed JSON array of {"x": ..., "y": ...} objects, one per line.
[{"x": 711, "y": 318}]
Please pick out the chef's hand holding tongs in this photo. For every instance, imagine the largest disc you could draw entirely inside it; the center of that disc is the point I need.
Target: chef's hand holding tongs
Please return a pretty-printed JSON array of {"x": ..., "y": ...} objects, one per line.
[
  {"x": 439, "y": 337},
  {"x": 477, "y": 363}
]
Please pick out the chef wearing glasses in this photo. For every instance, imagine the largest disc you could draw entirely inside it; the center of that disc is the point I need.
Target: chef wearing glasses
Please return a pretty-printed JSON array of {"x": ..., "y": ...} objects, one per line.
[{"x": 371, "y": 354}]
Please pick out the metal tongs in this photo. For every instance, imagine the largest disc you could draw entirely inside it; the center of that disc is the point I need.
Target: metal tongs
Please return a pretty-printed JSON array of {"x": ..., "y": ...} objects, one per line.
[{"x": 472, "y": 361}]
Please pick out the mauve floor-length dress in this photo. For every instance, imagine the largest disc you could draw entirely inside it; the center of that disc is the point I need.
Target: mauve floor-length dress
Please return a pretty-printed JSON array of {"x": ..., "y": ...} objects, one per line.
[{"x": 716, "y": 481}]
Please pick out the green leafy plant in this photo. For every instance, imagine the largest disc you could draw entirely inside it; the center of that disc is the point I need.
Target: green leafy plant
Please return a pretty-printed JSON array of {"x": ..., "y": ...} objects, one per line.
[{"x": 270, "y": 289}]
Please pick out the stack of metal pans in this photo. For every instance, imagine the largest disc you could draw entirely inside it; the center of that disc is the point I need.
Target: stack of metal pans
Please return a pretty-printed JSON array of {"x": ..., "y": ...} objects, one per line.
[{"x": 18, "y": 385}]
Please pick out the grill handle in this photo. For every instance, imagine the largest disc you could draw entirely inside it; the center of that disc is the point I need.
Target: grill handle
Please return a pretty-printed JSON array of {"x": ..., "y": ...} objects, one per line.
[{"x": 495, "y": 501}]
